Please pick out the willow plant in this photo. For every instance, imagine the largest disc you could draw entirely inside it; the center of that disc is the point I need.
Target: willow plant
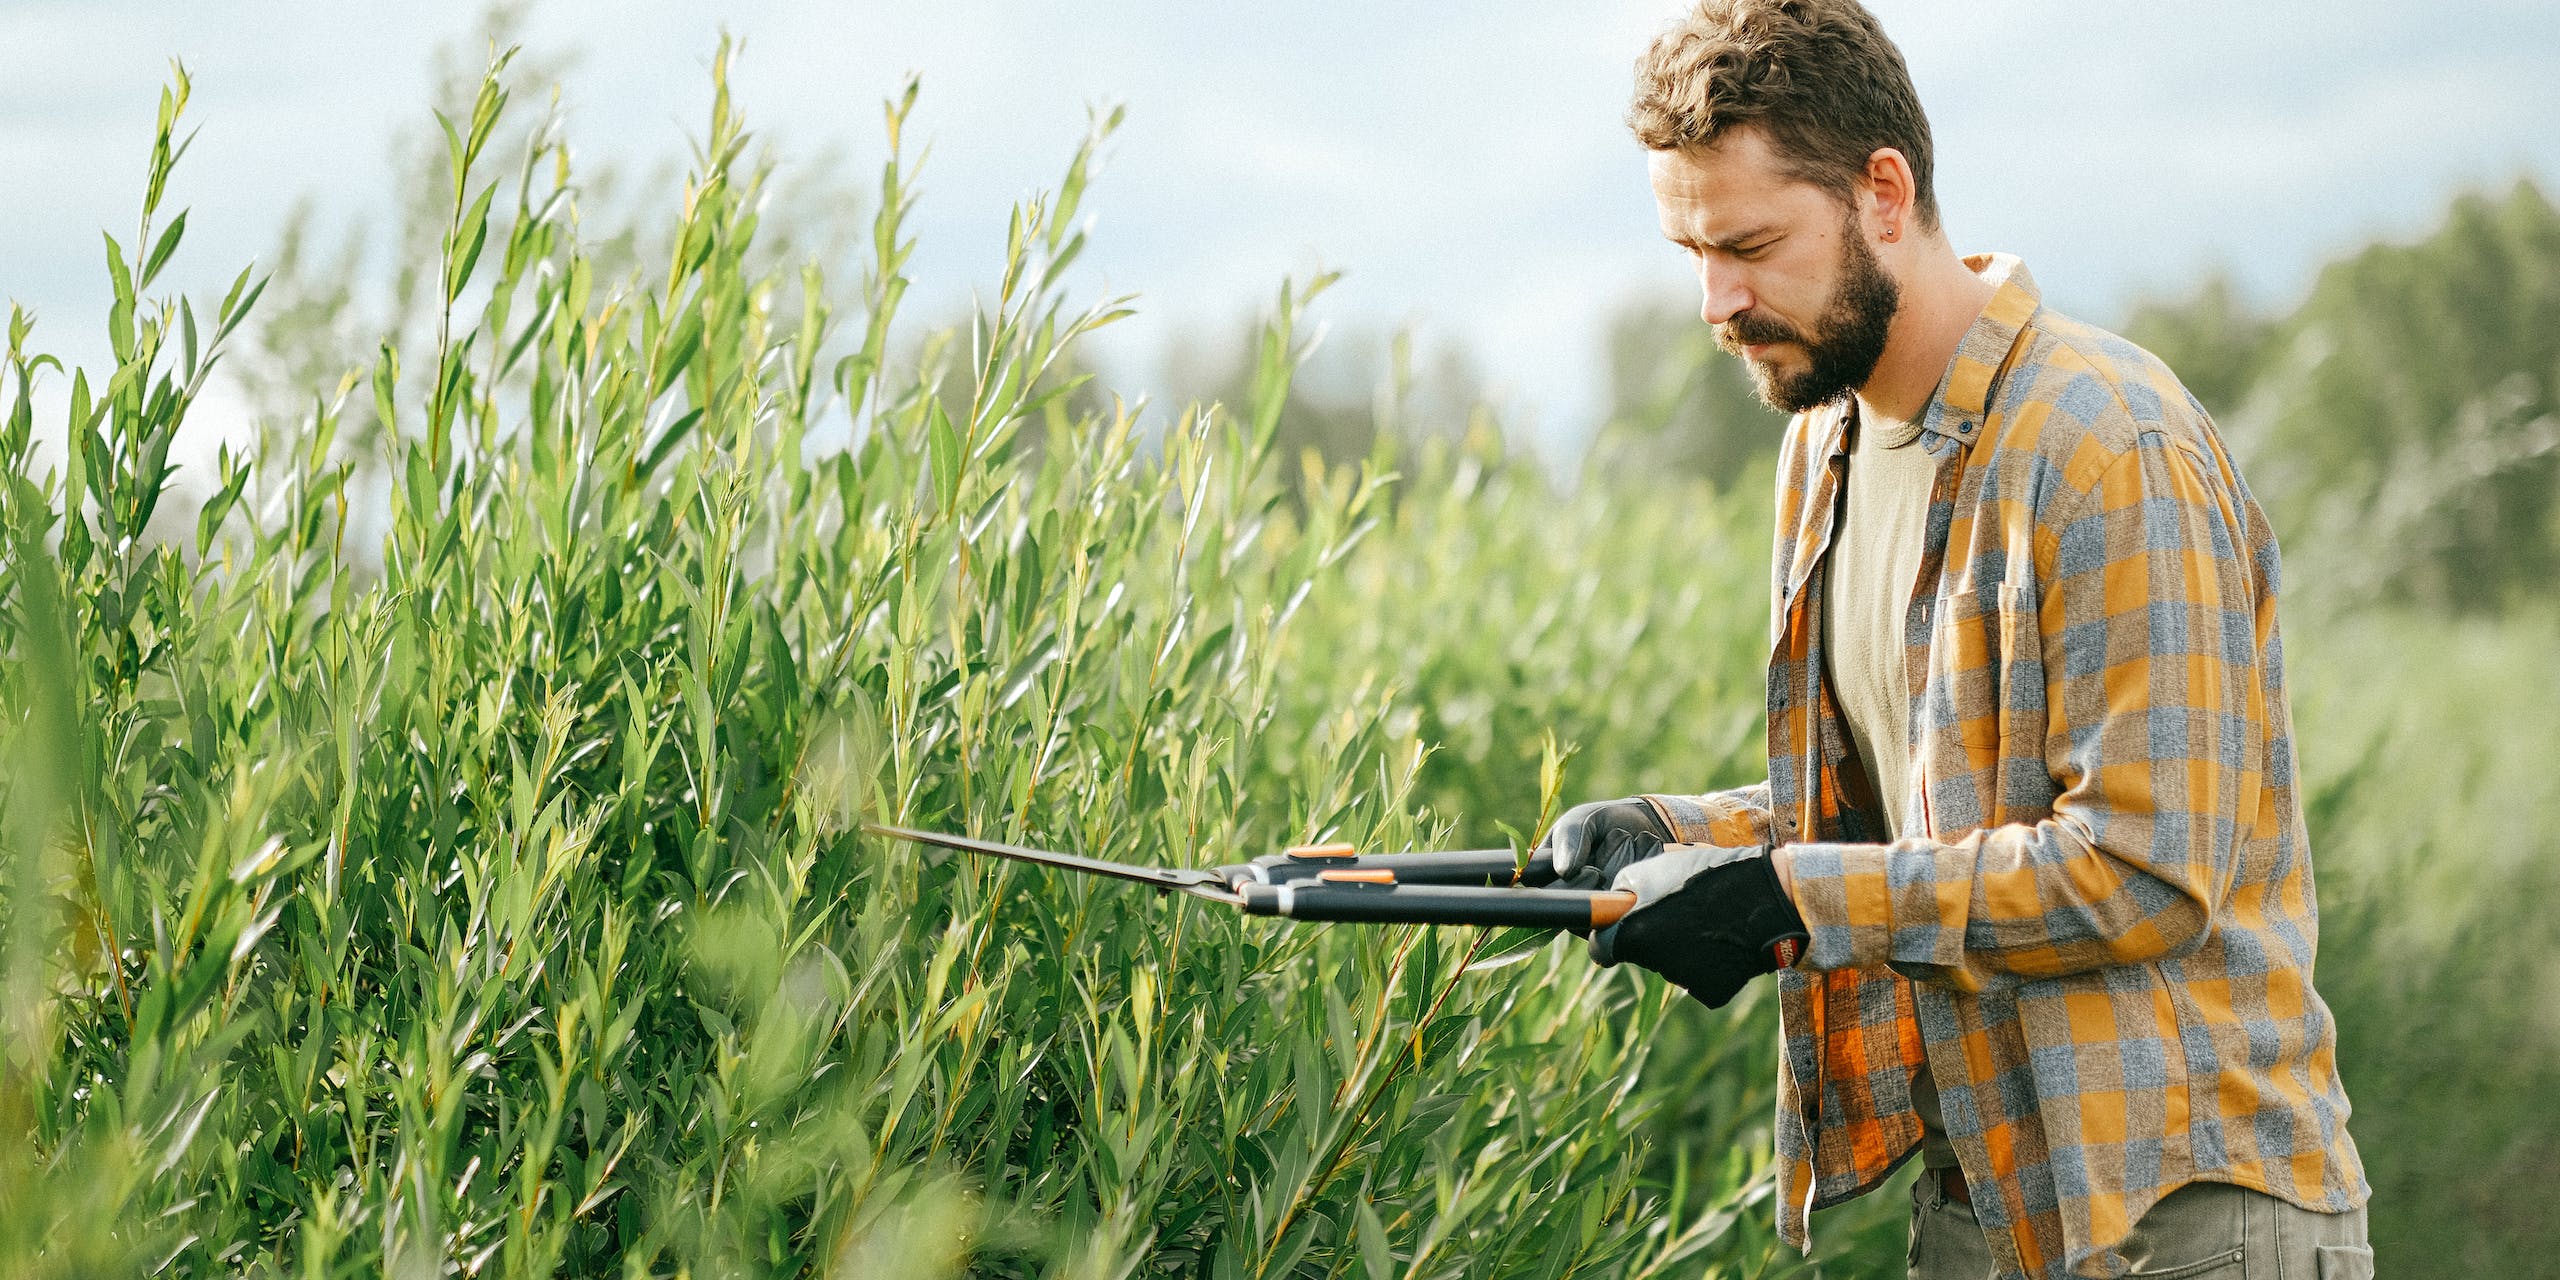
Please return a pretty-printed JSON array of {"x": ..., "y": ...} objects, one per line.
[{"x": 443, "y": 857}]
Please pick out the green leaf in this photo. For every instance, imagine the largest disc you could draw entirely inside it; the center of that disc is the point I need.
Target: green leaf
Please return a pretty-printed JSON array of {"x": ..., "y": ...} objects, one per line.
[
  {"x": 120, "y": 312},
  {"x": 168, "y": 244},
  {"x": 679, "y": 349},
  {"x": 452, "y": 150},
  {"x": 1375, "y": 1257},
  {"x": 473, "y": 231},
  {"x": 668, "y": 441},
  {"x": 386, "y": 379},
  {"x": 944, "y": 441}
]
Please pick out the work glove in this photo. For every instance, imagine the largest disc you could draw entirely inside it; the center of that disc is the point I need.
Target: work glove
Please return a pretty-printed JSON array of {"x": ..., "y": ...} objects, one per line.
[
  {"x": 1591, "y": 843},
  {"x": 1707, "y": 918}
]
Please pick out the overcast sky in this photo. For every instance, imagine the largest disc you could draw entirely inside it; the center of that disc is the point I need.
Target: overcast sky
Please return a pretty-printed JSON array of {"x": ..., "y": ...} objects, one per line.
[{"x": 1464, "y": 164}]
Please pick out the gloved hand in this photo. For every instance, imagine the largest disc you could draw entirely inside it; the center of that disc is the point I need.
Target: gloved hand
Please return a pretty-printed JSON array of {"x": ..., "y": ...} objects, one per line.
[
  {"x": 1707, "y": 918},
  {"x": 1591, "y": 843}
]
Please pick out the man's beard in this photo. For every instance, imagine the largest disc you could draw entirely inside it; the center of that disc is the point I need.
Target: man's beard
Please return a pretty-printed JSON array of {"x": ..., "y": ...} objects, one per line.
[{"x": 1847, "y": 341}]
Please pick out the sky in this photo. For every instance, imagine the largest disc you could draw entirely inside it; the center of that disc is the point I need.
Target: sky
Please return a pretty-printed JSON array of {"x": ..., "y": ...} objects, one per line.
[{"x": 1465, "y": 166}]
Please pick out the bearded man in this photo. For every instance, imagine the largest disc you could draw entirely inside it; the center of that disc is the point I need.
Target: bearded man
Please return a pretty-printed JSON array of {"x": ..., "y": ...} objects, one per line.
[{"x": 2030, "y": 859}]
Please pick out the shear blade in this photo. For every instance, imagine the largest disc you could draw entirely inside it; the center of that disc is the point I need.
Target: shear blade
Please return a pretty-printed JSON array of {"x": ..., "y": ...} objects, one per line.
[{"x": 1179, "y": 879}]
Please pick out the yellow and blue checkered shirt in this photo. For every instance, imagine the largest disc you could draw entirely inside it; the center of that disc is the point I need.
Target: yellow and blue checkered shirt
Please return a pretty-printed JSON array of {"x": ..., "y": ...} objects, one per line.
[{"x": 2100, "y": 935}]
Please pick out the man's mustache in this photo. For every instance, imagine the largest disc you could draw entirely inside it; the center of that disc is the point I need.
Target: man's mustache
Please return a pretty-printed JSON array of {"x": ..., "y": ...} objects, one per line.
[{"x": 1751, "y": 329}]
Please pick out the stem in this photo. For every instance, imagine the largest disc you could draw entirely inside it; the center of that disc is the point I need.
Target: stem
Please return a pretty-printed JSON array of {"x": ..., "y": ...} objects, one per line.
[{"x": 1368, "y": 1099}]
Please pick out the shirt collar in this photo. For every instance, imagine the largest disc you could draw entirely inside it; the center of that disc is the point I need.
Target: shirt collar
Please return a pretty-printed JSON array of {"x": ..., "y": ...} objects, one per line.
[
  {"x": 1955, "y": 413},
  {"x": 1963, "y": 400}
]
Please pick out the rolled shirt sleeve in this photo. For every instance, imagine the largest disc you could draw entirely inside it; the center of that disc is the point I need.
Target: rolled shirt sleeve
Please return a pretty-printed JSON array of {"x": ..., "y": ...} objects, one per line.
[{"x": 1737, "y": 818}]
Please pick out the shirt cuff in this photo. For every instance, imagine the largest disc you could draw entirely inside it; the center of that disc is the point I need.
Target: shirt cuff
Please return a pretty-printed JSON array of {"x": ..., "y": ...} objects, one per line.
[
  {"x": 1730, "y": 819},
  {"x": 1901, "y": 906}
]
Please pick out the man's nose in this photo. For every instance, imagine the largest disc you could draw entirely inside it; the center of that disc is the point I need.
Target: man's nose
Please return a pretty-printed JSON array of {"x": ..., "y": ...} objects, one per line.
[{"x": 1725, "y": 294}]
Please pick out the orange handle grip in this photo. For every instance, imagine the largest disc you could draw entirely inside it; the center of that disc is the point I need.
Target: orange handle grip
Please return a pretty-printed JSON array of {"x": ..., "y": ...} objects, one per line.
[
  {"x": 1609, "y": 908},
  {"x": 1335, "y": 852},
  {"x": 1379, "y": 875}
]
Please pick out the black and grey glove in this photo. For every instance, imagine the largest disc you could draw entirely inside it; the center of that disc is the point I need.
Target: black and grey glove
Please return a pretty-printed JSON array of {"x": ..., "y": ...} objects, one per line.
[
  {"x": 1591, "y": 843},
  {"x": 1709, "y": 919}
]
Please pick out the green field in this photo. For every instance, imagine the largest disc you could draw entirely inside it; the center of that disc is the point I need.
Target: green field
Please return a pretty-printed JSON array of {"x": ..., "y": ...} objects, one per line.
[{"x": 433, "y": 852}]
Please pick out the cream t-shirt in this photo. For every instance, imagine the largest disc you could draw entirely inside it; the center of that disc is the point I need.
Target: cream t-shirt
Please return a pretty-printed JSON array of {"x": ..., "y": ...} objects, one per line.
[{"x": 1874, "y": 566}]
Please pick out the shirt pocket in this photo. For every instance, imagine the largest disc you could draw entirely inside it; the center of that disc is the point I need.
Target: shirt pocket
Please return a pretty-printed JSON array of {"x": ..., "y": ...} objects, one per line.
[{"x": 1986, "y": 684}]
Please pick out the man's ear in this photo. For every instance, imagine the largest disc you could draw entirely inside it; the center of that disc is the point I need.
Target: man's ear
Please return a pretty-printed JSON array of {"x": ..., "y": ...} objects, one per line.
[{"x": 1891, "y": 192}]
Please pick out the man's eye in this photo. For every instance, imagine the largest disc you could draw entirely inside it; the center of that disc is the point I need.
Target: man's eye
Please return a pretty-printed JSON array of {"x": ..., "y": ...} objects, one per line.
[{"x": 1752, "y": 252}]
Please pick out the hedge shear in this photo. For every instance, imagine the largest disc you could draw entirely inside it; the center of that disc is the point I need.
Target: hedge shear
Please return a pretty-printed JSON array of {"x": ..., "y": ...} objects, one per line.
[{"x": 1335, "y": 882}]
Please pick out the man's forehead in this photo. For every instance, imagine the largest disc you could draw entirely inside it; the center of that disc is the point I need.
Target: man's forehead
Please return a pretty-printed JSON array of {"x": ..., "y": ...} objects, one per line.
[
  {"x": 1740, "y": 162},
  {"x": 1738, "y": 180}
]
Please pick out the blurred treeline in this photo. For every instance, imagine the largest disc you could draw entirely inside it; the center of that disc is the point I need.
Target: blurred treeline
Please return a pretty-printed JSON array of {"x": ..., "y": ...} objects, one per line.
[{"x": 2401, "y": 423}]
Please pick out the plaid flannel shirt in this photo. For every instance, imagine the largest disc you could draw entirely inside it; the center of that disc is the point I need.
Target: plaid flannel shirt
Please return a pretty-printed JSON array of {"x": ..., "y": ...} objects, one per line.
[{"x": 2100, "y": 935}]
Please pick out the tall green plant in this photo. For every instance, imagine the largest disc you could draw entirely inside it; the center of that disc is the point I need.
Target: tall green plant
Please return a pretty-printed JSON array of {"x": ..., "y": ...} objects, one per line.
[{"x": 483, "y": 893}]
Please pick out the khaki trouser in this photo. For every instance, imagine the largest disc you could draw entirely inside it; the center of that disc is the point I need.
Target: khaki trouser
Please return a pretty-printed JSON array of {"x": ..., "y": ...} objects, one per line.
[{"x": 2201, "y": 1231}]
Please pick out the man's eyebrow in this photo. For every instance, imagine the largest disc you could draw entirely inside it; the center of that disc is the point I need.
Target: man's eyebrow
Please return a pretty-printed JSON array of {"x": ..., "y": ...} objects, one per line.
[{"x": 1728, "y": 243}]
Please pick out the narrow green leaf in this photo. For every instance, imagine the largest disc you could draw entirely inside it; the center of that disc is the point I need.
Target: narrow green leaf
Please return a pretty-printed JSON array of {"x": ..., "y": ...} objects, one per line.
[
  {"x": 168, "y": 244},
  {"x": 945, "y": 444},
  {"x": 386, "y": 379},
  {"x": 668, "y": 441},
  {"x": 474, "y": 233},
  {"x": 681, "y": 346},
  {"x": 453, "y": 152}
]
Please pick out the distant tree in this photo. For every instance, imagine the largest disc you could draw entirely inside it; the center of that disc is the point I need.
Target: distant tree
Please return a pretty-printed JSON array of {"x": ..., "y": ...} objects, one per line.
[
  {"x": 1354, "y": 387},
  {"x": 2213, "y": 338},
  {"x": 2402, "y": 421}
]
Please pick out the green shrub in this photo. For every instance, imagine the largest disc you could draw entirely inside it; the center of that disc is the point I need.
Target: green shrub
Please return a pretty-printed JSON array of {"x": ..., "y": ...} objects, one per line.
[
  {"x": 2432, "y": 804},
  {"x": 443, "y": 857}
]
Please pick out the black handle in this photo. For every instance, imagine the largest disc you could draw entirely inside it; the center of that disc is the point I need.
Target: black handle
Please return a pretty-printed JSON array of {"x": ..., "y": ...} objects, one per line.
[
  {"x": 1579, "y": 910},
  {"x": 1477, "y": 867}
]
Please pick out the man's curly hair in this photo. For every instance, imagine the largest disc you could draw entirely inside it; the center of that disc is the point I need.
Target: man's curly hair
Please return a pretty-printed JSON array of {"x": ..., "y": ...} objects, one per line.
[{"x": 1818, "y": 75}]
